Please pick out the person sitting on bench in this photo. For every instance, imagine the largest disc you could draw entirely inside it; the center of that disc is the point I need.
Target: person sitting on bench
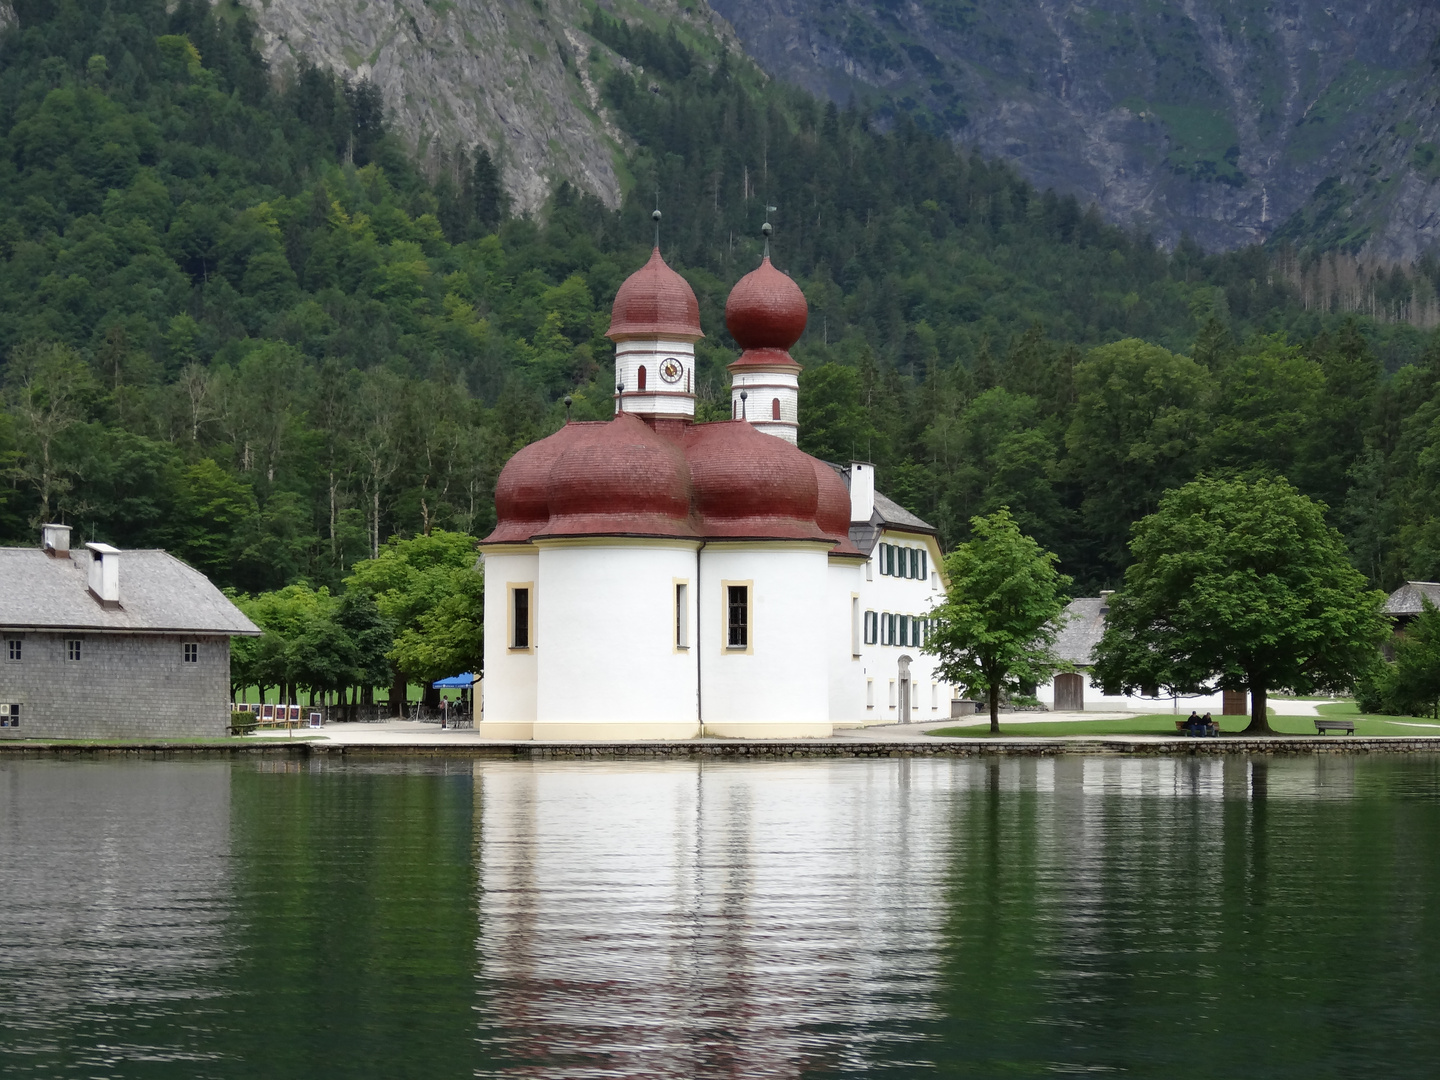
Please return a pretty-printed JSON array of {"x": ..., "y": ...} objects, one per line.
[{"x": 1209, "y": 726}]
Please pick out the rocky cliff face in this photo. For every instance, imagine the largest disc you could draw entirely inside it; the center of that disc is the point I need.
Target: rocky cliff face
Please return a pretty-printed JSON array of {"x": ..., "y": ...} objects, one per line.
[
  {"x": 506, "y": 74},
  {"x": 1229, "y": 119},
  {"x": 1233, "y": 120}
]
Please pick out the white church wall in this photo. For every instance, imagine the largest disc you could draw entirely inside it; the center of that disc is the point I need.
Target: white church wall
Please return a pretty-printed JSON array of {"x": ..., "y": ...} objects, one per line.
[
  {"x": 777, "y": 687},
  {"x": 845, "y": 619},
  {"x": 610, "y": 666},
  {"x": 509, "y": 701},
  {"x": 913, "y": 597}
]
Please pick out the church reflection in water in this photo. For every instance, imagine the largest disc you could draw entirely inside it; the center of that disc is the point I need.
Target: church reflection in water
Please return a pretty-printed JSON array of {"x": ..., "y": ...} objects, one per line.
[{"x": 684, "y": 919}]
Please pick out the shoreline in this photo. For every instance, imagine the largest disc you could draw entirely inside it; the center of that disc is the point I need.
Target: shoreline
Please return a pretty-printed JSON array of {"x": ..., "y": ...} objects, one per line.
[{"x": 842, "y": 747}]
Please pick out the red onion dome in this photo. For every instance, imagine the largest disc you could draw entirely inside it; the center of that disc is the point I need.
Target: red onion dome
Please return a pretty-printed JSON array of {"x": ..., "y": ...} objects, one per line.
[
  {"x": 655, "y": 300},
  {"x": 750, "y": 484},
  {"x": 618, "y": 478},
  {"x": 521, "y": 505},
  {"x": 832, "y": 512},
  {"x": 766, "y": 309}
]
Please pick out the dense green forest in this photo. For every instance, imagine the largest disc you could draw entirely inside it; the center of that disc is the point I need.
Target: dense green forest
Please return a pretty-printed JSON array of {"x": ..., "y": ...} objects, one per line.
[{"x": 241, "y": 321}]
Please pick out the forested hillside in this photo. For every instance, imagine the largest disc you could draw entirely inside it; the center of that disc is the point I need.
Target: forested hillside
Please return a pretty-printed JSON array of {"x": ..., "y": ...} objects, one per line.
[{"x": 240, "y": 323}]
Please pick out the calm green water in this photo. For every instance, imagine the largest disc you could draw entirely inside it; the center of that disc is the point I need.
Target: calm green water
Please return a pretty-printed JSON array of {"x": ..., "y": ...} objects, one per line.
[{"x": 1226, "y": 918}]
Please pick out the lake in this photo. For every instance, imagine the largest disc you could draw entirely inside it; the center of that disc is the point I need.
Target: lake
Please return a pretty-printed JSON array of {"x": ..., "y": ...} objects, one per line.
[{"x": 1002, "y": 917}]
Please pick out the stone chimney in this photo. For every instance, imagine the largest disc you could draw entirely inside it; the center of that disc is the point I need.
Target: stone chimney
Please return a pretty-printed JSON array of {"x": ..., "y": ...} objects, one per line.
[
  {"x": 862, "y": 490},
  {"x": 55, "y": 540},
  {"x": 105, "y": 574}
]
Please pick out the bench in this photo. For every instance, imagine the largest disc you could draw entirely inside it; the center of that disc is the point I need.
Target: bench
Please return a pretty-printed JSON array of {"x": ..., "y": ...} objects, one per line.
[
  {"x": 1323, "y": 727},
  {"x": 1212, "y": 729}
]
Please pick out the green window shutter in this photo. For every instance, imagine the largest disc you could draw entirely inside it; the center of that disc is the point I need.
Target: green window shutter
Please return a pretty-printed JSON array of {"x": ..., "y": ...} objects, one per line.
[{"x": 924, "y": 564}]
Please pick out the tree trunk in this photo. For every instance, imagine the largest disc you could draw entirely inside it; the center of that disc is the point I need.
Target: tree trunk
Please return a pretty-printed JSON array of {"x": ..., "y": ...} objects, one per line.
[
  {"x": 994, "y": 708},
  {"x": 398, "y": 690},
  {"x": 1259, "y": 715}
]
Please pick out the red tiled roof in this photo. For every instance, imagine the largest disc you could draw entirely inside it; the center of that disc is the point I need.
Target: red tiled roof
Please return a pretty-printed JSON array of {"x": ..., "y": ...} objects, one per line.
[
  {"x": 655, "y": 300},
  {"x": 726, "y": 480}
]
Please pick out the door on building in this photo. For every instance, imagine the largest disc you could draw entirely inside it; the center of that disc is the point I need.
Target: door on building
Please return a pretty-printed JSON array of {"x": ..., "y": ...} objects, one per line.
[
  {"x": 1069, "y": 692},
  {"x": 904, "y": 681}
]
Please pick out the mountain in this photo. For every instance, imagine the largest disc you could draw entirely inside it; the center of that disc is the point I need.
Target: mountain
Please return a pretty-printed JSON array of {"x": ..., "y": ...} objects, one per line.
[
  {"x": 1233, "y": 120},
  {"x": 513, "y": 77}
]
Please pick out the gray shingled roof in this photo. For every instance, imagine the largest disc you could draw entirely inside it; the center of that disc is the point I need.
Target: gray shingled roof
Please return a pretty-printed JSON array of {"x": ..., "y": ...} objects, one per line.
[
  {"x": 1084, "y": 625},
  {"x": 1406, "y": 599},
  {"x": 157, "y": 593},
  {"x": 887, "y": 514}
]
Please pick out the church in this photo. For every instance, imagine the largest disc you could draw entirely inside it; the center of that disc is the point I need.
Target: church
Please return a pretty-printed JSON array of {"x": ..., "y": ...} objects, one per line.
[{"x": 650, "y": 577}]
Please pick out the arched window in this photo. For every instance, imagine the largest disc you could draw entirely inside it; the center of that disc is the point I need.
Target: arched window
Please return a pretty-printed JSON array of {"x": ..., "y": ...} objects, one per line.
[
  {"x": 775, "y": 409},
  {"x": 640, "y": 379}
]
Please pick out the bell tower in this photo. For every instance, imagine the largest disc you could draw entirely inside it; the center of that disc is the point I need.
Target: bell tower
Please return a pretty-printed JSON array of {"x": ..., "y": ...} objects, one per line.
[
  {"x": 766, "y": 314},
  {"x": 655, "y": 323}
]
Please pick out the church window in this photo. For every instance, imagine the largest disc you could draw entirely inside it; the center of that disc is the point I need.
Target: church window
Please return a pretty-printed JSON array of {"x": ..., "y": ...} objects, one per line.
[
  {"x": 869, "y": 693},
  {"x": 640, "y": 378},
  {"x": 854, "y": 626},
  {"x": 737, "y": 617},
  {"x": 520, "y": 629},
  {"x": 892, "y": 693},
  {"x": 775, "y": 409},
  {"x": 682, "y": 615}
]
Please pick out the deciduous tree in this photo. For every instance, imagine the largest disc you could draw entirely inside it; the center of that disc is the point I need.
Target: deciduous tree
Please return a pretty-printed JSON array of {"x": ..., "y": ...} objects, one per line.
[
  {"x": 1239, "y": 586},
  {"x": 996, "y": 628}
]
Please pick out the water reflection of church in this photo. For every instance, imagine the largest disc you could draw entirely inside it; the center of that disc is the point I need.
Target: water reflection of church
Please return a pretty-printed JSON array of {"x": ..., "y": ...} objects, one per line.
[
  {"x": 688, "y": 920},
  {"x": 654, "y": 577}
]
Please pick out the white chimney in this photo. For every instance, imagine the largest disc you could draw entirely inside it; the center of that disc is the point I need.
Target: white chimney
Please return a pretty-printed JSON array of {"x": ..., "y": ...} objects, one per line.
[
  {"x": 862, "y": 490},
  {"x": 55, "y": 539},
  {"x": 105, "y": 574}
]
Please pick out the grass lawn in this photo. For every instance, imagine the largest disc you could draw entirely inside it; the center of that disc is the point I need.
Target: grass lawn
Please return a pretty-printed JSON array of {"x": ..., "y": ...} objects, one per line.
[{"x": 1164, "y": 724}]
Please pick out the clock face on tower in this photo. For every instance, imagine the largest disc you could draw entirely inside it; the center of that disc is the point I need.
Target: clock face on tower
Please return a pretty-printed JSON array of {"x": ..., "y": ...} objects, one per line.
[{"x": 670, "y": 369}]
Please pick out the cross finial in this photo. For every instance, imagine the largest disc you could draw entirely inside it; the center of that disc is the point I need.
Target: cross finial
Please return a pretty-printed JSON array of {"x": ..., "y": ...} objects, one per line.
[{"x": 765, "y": 231}]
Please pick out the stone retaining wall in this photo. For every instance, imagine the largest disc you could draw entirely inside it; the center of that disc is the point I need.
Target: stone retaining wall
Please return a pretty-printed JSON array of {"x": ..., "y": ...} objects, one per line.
[{"x": 744, "y": 749}]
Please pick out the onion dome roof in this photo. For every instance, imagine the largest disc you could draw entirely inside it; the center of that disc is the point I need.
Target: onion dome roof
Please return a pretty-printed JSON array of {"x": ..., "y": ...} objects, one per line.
[
  {"x": 621, "y": 478},
  {"x": 766, "y": 309},
  {"x": 725, "y": 480},
  {"x": 521, "y": 505},
  {"x": 655, "y": 300},
  {"x": 750, "y": 484},
  {"x": 832, "y": 512}
]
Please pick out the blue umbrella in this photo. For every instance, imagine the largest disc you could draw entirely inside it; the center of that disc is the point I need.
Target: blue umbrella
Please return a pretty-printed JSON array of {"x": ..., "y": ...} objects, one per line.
[{"x": 462, "y": 681}]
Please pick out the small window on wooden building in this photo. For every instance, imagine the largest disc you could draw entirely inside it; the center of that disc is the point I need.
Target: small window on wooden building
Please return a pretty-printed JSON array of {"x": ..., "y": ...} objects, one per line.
[
  {"x": 192, "y": 652},
  {"x": 775, "y": 409},
  {"x": 72, "y": 649},
  {"x": 640, "y": 378},
  {"x": 14, "y": 647}
]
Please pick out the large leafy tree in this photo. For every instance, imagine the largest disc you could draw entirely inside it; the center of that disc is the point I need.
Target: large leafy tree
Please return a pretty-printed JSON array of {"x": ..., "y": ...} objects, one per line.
[
  {"x": 1239, "y": 585},
  {"x": 1137, "y": 424},
  {"x": 996, "y": 628},
  {"x": 415, "y": 584}
]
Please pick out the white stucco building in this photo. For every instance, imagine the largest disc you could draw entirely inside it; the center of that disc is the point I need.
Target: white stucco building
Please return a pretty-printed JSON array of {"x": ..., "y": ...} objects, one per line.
[{"x": 654, "y": 578}]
